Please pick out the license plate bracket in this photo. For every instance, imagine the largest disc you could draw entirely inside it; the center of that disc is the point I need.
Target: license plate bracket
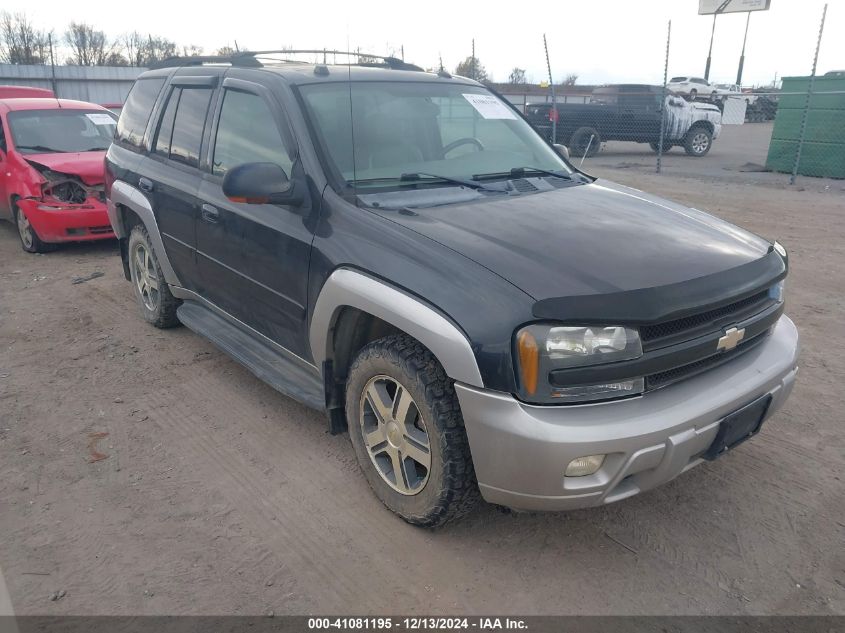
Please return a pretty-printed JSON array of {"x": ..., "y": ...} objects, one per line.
[{"x": 739, "y": 426}]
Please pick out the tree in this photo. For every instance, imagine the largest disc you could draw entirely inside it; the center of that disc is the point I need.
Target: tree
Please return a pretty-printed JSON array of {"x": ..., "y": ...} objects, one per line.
[
  {"x": 570, "y": 80},
  {"x": 471, "y": 67},
  {"x": 145, "y": 50},
  {"x": 21, "y": 42},
  {"x": 517, "y": 76},
  {"x": 90, "y": 47},
  {"x": 158, "y": 48},
  {"x": 191, "y": 50},
  {"x": 225, "y": 51}
]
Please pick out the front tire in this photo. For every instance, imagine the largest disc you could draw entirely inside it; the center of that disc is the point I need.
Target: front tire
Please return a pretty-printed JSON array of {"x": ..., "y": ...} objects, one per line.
[
  {"x": 158, "y": 305},
  {"x": 30, "y": 242},
  {"x": 698, "y": 142},
  {"x": 408, "y": 434}
]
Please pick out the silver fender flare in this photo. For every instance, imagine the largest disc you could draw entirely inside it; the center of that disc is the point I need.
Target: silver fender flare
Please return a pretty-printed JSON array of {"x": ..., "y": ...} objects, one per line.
[
  {"x": 349, "y": 288},
  {"x": 124, "y": 194}
]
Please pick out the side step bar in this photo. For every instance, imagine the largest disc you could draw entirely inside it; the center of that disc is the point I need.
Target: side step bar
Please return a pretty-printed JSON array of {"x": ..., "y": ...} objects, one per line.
[{"x": 284, "y": 374}]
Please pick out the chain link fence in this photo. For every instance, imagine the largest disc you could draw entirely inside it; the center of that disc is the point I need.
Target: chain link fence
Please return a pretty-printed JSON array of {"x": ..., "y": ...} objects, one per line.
[{"x": 691, "y": 127}]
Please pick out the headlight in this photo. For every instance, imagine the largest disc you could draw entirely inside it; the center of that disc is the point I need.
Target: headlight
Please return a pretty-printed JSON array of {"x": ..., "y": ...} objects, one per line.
[{"x": 544, "y": 348}]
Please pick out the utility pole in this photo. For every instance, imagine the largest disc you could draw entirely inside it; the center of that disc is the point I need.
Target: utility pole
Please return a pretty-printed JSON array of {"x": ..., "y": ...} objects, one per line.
[
  {"x": 552, "y": 91},
  {"x": 742, "y": 55}
]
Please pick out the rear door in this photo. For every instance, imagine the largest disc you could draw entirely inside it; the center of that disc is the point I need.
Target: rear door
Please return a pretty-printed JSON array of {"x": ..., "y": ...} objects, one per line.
[
  {"x": 171, "y": 173},
  {"x": 253, "y": 258}
]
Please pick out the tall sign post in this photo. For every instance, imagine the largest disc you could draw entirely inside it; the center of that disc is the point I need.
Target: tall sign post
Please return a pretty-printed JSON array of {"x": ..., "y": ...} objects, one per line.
[{"x": 716, "y": 7}]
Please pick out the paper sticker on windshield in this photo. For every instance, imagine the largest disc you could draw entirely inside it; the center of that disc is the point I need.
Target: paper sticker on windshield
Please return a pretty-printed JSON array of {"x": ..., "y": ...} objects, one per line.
[
  {"x": 100, "y": 118},
  {"x": 489, "y": 106}
]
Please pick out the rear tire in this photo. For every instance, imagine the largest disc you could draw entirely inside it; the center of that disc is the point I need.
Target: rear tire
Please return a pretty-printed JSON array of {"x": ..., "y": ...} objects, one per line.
[
  {"x": 30, "y": 242},
  {"x": 585, "y": 141},
  {"x": 158, "y": 305},
  {"x": 408, "y": 434},
  {"x": 698, "y": 141}
]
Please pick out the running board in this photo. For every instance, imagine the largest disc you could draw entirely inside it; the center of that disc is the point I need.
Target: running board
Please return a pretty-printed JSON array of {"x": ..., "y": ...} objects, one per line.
[{"x": 286, "y": 375}]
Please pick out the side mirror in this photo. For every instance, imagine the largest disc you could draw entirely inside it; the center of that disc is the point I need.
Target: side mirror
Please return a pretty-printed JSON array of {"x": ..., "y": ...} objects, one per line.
[
  {"x": 563, "y": 150},
  {"x": 261, "y": 183}
]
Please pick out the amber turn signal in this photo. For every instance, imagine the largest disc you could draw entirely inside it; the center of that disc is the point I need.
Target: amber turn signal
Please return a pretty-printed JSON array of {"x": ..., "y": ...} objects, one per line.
[{"x": 529, "y": 361}]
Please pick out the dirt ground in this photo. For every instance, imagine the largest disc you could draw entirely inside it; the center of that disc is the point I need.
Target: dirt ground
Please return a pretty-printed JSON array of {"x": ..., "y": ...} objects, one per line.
[{"x": 143, "y": 472}]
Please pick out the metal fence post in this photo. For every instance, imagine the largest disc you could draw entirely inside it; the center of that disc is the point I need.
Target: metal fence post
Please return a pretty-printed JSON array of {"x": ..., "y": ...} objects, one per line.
[
  {"x": 810, "y": 86},
  {"x": 663, "y": 105},
  {"x": 552, "y": 90}
]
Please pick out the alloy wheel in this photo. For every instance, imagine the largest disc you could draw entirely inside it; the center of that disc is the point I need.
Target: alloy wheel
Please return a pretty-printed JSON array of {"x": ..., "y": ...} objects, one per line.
[
  {"x": 25, "y": 230},
  {"x": 146, "y": 277},
  {"x": 395, "y": 435},
  {"x": 700, "y": 142}
]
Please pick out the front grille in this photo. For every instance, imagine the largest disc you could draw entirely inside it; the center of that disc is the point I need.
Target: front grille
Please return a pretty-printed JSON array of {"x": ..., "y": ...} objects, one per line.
[
  {"x": 654, "y": 336},
  {"x": 663, "y": 378}
]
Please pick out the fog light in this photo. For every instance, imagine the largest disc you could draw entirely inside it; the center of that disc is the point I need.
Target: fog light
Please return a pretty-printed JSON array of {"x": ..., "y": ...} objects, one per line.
[{"x": 583, "y": 466}]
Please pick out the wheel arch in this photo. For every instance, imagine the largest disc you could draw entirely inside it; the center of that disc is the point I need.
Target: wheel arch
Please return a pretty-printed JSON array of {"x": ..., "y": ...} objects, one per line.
[
  {"x": 128, "y": 206},
  {"x": 354, "y": 309}
]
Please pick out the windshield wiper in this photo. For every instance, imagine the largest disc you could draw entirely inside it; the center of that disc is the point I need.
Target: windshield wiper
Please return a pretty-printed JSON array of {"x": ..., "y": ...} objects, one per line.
[
  {"x": 519, "y": 172},
  {"x": 425, "y": 177},
  {"x": 41, "y": 148}
]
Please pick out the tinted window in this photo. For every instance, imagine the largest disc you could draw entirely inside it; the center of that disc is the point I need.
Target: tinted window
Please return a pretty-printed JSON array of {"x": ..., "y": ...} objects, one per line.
[
  {"x": 247, "y": 133},
  {"x": 165, "y": 128},
  {"x": 677, "y": 80},
  {"x": 136, "y": 111},
  {"x": 188, "y": 125}
]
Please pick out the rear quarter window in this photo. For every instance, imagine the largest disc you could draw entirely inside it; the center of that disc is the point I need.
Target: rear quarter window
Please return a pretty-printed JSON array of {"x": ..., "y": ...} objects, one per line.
[{"x": 137, "y": 110}]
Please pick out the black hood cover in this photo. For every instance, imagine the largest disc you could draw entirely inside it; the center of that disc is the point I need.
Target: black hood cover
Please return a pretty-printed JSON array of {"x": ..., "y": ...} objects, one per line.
[{"x": 595, "y": 239}]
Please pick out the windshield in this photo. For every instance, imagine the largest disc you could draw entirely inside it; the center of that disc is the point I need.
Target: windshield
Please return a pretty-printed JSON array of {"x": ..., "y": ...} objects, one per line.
[
  {"x": 48, "y": 131},
  {"x": 378, "y": 134}
]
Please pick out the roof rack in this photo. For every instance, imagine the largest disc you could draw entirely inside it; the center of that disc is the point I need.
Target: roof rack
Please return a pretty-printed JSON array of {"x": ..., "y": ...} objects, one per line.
[{"x": 249, "y": 59}]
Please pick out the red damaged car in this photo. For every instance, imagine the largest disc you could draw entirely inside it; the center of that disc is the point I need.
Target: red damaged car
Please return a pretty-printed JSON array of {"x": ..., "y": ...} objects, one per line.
[{"x": 51, "y": 170}]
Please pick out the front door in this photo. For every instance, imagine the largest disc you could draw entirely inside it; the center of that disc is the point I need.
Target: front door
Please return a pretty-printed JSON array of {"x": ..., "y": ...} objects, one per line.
[{"x": 253, "y": 258}]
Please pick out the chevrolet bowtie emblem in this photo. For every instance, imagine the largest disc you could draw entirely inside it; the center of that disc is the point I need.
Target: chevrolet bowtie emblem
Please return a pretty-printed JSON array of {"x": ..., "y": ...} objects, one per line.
[{"x": 731, "y": 339}]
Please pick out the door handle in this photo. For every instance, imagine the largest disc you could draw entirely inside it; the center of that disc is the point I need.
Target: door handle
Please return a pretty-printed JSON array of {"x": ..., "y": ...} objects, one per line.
[
  {"x": 145, "y": 184},
  {"x": 210, "y": 213}
]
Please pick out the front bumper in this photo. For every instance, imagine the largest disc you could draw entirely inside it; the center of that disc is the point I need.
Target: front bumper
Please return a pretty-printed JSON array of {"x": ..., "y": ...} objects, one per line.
[
  {"x": 71, "y": 223},
  {"x": 520, "y": 451}
]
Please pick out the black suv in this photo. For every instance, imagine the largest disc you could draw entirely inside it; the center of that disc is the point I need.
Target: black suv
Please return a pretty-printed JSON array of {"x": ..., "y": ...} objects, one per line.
[{"x": 400, "y": 249}]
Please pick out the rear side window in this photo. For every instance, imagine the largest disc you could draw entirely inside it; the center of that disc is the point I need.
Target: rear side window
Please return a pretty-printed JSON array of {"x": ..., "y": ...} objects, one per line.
[
  {"x": 188, "y": 125},
  {"x": 136, "y": 112},
  {"x": 247, "y": 133}
]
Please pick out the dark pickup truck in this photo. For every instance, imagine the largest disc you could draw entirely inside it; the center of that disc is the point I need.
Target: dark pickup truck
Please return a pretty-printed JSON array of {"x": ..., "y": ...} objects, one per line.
[{"x": 628, "y": 112}]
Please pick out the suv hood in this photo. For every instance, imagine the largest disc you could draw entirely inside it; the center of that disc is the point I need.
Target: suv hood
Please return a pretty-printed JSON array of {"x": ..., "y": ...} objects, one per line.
[
  {"x": 588, "y": 239},
  {"x": 89, "y": 166}
]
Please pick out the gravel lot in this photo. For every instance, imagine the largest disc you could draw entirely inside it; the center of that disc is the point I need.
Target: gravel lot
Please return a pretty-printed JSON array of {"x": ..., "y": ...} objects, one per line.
[{"x": 143, "y": 472}]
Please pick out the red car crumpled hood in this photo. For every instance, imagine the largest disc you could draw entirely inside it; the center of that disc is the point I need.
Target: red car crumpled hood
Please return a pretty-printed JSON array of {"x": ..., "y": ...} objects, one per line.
[{"x": 88, "y": 166}]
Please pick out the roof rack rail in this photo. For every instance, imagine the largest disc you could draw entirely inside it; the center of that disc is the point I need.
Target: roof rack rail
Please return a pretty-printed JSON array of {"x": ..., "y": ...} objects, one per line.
[{"x": 249, "y": 59}]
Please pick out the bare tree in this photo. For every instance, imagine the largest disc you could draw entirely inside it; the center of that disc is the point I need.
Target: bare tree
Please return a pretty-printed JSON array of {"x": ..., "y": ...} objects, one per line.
[
  {"x": 473, "y": 68},
  {"x": 225, "y": 51},
  {"x": 192, "y": 50},
  {"x": 517, "y": 76},
  {"x": 133, "y": 47},
  {"x": 158, "y": 48},
  {"x": 90, "y": 47},
  {"x": 570, "y": 80},
  {"x": 21, "y": 42}
]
